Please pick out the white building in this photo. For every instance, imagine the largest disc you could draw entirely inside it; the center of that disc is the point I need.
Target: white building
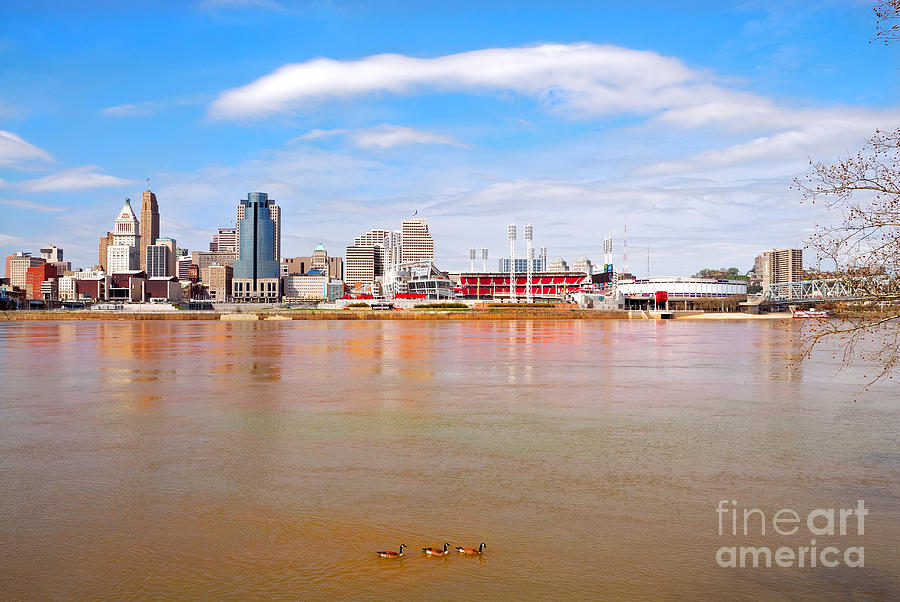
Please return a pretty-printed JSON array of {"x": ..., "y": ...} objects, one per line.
[
  {"x": 584, "y": 265},
  {"x": 306, "y": 287},
  {"x": 125, "y": 254},
  {"x": 416, "y": 243},
  {"x": 558, "y": 265},
  {"x": 122, "y": 258}
]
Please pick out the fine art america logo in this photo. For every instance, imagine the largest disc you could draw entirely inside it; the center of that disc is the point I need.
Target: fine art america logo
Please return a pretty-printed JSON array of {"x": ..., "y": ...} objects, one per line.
[{"x": 820, "y": 523}]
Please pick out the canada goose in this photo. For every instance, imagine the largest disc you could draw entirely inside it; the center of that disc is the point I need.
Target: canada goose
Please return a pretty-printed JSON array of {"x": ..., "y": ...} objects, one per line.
[
  {"x": 472, "y": 551},
  {"x": 392, "y": 554},
  {"x": 437, "y": 551}
]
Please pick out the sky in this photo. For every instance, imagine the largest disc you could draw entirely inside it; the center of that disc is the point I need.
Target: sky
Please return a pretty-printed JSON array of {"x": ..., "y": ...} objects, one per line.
[{"x": 685, "y": 121}]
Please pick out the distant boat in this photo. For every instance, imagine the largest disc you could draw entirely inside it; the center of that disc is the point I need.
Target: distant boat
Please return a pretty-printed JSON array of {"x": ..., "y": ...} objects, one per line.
[{"x": 808, "y": 313}]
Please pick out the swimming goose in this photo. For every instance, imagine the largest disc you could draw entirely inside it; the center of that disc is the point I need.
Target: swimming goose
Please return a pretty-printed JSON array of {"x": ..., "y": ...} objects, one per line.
[
  {"x": 392, "y": 554},
  {"x": 437, "y": 551},
  {"x": 472, "y": 551}
]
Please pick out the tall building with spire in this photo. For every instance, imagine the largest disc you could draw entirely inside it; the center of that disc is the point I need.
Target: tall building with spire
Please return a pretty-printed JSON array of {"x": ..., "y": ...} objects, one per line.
[
  {"x": 150, "y": 219},
  {"x": 257, "y": 272},
  {"x": 124, "y": 254}
]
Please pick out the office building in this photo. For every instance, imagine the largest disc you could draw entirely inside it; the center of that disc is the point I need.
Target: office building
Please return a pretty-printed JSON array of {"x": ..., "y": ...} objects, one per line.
[
  {"x": 584, "y": 265},
  {"x": 150, "y": 221},
  {"x": 558, "y": 265},
  {"x": 218, "y": 280},
  {"x": 333, "y": 267},
  {"x": 256, "y": 275},
  {"x": 124, "y": 254},
  {"x": 183, "y": 266},
  {"x": 274, "y": 214},
  {"x": 225, "y": 239},
  {"x": 105, "y": 242},
  {"x": 19, "y": 263},
  {"x": 306, "y": 287},
  {"x": 34, "y": 276},
  {"x": 161, "y": 259},
  {"x": 521, "y": 265},
  {"x": 361, "y": 263}
]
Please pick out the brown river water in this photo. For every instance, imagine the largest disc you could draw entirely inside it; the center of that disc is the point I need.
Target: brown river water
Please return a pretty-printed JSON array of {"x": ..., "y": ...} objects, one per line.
[{"x": 272, "y": 459}]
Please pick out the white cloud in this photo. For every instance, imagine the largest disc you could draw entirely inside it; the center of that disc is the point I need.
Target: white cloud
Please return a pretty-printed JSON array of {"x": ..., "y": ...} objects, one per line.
[
  {"x": 30, "y": 205},
  {"x": 77, "y": 178},
  {"x": 585, "y": 77},
  {"x": 15, "y": 152},
  {"x": 383, "y": 136},
  {"x": 141, "y": 109},
  {"x": 814, "y": 133}
]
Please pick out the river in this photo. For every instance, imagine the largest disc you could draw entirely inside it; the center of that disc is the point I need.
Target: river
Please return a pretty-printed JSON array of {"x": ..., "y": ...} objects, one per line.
[{"x": 272, "y": 459}]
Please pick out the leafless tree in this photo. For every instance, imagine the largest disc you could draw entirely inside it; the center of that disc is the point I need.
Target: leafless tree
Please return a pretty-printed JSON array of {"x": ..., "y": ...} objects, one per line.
[
  {"x": 864, "y": 248},
  {"x": 887, "y": 15}
]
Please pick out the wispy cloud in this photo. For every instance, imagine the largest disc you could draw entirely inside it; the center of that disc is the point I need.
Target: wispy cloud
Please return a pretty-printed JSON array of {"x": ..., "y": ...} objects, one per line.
[
  {"x": 31, "y": 205},
  {"x": 384, "y": 136},
  {"x": 141, "y": 109},
  {"x": 16, "y": 152},
  {"x": 77, "y": 178}
]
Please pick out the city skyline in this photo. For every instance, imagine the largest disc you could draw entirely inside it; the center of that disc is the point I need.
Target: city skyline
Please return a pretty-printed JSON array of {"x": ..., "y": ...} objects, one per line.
[{"x": 692, "y": 133}]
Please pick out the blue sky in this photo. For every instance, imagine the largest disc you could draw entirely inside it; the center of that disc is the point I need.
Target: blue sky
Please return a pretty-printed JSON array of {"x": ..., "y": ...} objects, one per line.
[{"x": 687, "y": 120}]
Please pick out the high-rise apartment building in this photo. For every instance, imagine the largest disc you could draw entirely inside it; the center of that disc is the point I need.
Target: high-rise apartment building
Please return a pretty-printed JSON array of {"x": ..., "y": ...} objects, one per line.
[
  {"x": 150, "y": 220},
  {"x": 257, "y": 272},
  {"x": 275, "y": 215},
  {"x": 780, "y": 265},
  {"x": 416, "y": 243}
]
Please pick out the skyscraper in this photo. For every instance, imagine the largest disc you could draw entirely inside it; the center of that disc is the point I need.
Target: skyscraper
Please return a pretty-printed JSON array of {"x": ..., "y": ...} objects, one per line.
[
  {"x": 124, "y": 254},
  {"x": 150, "y": 219},
  {"x": 275, "y": 215},
  {"x": 257, "y": 272}
]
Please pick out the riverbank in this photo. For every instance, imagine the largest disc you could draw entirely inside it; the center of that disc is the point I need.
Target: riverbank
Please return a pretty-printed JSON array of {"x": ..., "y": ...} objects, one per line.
[{"x": 490, "y": 314}]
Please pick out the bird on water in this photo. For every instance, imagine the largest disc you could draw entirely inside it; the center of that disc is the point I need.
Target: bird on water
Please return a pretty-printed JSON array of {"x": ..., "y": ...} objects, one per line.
[
  {"x": 472, "y": 551},
  {"x": 392, "y": 554},
  {"x": 437, "y": 551}
]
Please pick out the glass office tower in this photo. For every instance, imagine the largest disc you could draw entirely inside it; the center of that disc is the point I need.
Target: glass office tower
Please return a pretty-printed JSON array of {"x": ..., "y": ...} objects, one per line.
[{"x": 257, "y": 274}]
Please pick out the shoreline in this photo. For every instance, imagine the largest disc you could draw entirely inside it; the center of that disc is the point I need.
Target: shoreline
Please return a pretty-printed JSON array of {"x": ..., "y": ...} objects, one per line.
[{"x": 290, "y": 315}]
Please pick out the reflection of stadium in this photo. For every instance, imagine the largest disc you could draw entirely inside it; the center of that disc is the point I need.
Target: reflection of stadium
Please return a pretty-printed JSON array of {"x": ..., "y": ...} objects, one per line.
[{"x": 545, "y": 285}]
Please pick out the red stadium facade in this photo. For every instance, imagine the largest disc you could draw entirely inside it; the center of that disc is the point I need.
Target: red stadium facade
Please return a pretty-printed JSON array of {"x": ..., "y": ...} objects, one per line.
[{"x": 486, "y": 285}]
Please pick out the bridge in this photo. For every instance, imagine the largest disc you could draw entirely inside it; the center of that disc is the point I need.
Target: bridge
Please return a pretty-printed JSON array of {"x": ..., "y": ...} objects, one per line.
[{"x": 807, "y": 291}]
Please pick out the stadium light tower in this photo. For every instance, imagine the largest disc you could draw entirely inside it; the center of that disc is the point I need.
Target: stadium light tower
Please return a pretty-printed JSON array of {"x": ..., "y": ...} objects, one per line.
[
  {"x": 512, "y": 262},
  {"x": 471, "y": 260},
  {"x": 484, "y": 258},
  {"x": 529, "y": 254}
]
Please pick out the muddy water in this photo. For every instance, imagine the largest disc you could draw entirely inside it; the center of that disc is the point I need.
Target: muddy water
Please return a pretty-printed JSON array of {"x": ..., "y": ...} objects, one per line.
[{"x": 234, "y": 460}]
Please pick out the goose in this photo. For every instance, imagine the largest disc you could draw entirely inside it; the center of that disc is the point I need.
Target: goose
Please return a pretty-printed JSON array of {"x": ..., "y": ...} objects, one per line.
[
  {"x": 392, "y": 554},
  {"x": 437, "y": 551},
  {"x": 472, "y": 551}
]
